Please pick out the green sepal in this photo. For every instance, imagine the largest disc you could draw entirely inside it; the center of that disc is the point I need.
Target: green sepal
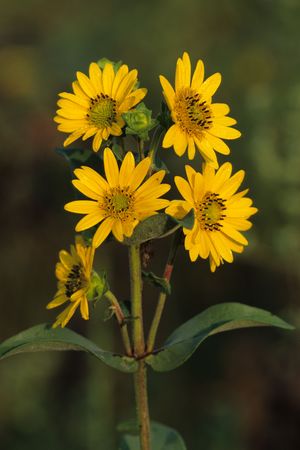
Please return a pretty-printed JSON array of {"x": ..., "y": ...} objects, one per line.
[
  {"x": 139, "y": 121},
  {"x": 103, "y": 61},
  {"x": 162, "y": 437},
  {"x": 218, "y": 318},
  {"x": 156, "y": 281},
  {"x": 44, "y": 338},
  {"x": 154, "y": 227}
]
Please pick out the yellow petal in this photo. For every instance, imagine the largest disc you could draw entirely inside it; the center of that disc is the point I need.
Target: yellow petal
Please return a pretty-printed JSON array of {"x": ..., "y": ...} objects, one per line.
[
  {"x": 210, "y": 85},
  {"x": 97, "y": 141},
  {"x": 139, "y": 173},
  {"x": 90, "y": 220},
  {"x": 179, "y": 75},
  {"x": 96, "y": 77},
  {"x": 180, "y": 143},
  {"x": 108, "y": 77},
  {"x": 170, "y": 136},
  {"x": 234, "y": 234},
  {"x": 178, "y": 209},
  {"x": 198, "y": 75},
  {"x": 120, "y": 75},
  {"x": 78, "y": 100},
  {"x": 126, "y": 170},
  {"x": 168, "y": 91},
  {"x": 84, "y": 308},
  {"x": 111, "y": 168},
  {"x": 103, "y": 231},
  {"x": 86, "y": 190},
  {"x": 126, "y": 85},
  {"x": 232, "y": 184},
  {"x": 117, "y": 230},
  {"x": 81, "y": 206},
  {"x": 187, "y": 68},
  {"x": 217, "y": 144},
  {"x": 184, "y": 189},
  {"x": 57, "y": 301},
  {"x": 219, "y": 109},
  {"x": 191, "y": 148},
  {"x": 224, "y": 132},
  {"x": 86, "y": 85}
]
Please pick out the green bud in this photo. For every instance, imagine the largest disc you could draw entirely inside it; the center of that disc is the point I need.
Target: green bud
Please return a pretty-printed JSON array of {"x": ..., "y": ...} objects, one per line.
[
  {"x": 103, "y": 61},
  {"x": 139, "y": 121},
  {"x": 98, "y": 286}
]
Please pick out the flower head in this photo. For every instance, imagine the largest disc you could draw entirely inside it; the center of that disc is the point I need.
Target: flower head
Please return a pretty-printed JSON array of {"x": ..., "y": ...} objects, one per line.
[
  {"x": 97, "y": 104},
  {"x": 197, "y": 121},
  {"x": 220, "y": 213},
  {"x": 121, "y": 200},
  {"x": 73, "y": 272}
]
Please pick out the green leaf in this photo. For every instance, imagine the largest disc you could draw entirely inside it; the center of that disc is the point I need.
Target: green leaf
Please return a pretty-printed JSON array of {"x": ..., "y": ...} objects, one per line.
[
  {"x": 187, "y": 221},
  {"x": 162, "y": 437},
  {"x": 78, "y": 157},
  {"x": 154, "y": 227},
  {"x": 218, "y": 318},
  {"x": 44, "y": 338},
  {"x": 159, "y": 282}
]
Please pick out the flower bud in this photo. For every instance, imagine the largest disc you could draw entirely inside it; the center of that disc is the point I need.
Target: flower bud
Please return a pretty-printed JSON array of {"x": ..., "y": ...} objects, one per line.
[
  {"x": 98, "y": 286},
  {"x": 139, "y": 121}
]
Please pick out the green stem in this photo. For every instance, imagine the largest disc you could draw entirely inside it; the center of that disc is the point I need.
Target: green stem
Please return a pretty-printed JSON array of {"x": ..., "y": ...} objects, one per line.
[
  {"x": 136, "y": 299},
  {"x": 141, "y": 396},
  {"x": 141, "y": 149},
  {"x": 163, "y": 296},
  {"x": 140, "y": 377},
  {"x": 121, "y": 321}
]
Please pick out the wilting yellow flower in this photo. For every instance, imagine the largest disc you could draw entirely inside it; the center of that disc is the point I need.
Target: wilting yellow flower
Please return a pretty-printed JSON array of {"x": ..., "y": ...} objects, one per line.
[
  {"x": 121, "y": 200},
  {"x": 220, "y": 213},
  {"x": 73, "y": 272},
  {"x": 96, "y": 107},
  {"x": 197, "y": 121}
]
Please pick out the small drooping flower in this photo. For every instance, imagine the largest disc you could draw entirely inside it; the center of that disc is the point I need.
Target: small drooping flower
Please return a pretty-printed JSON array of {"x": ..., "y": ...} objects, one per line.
[
  {"x": 197, "y": 121},
  {"x": 97, "y": 104},
  {"x": 73, "y": 271},
  {"x": 121, "y": 200},
  {"x": 220, "y": 213}
]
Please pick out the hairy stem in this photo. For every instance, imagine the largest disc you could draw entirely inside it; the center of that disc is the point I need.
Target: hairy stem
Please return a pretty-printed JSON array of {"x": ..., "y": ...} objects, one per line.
[
  {"x": 136, "y": 299},
  {"x": 121, "y": 321},
  {"x": 141, "y": 396},
  {"x": 140, "y": 377}
]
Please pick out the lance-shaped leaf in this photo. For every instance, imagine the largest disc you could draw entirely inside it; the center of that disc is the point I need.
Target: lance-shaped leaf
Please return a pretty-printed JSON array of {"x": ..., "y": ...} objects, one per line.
[
  {"x": 44, "y": 338},
  {"x": 218, "y": 318},
  {"x": 154, "y": 227},
  {"x": 162, "y": 437},
  {"x": 78, "y": 157}
]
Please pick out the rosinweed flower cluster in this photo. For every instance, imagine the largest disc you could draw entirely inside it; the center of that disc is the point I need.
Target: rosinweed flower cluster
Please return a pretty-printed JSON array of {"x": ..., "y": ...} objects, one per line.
[{"x": 118, "y": 195}]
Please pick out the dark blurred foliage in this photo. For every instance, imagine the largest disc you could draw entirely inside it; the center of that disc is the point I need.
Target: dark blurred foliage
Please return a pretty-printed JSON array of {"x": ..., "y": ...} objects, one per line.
[{"x": 241, "y": 390}]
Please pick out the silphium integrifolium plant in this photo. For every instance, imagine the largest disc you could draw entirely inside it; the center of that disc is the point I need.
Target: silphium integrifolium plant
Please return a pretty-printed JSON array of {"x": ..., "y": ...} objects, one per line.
[{"x": 121, "y": 188}]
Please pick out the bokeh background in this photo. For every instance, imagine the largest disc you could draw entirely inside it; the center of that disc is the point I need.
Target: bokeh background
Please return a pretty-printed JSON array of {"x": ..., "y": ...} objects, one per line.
[{"x": 241, "y": 390}]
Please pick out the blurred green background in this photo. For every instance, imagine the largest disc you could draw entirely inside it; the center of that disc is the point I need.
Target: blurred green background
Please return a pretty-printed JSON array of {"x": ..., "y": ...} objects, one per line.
[{"x": 241, "y": 390}]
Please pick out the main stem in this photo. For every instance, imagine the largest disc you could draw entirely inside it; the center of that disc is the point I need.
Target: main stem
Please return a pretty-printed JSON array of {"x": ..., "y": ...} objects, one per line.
[{"x": 140, "y": 377}]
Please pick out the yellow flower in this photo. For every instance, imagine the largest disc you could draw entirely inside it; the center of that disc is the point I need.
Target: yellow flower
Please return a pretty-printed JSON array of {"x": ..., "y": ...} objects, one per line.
[
  {"x": 197, "y": 121},
  {"x": 220, "y": 213},
  {"x": 73, "y": 272},
  {"x": 121, "y": 200},
  {"x": 96, "y": 107}
]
